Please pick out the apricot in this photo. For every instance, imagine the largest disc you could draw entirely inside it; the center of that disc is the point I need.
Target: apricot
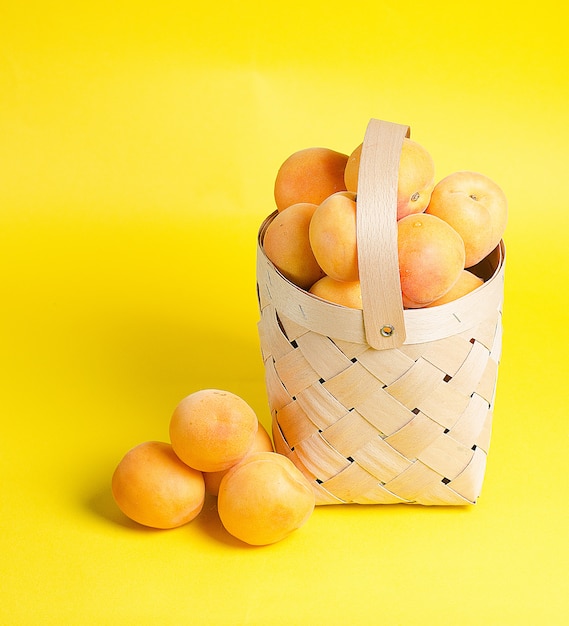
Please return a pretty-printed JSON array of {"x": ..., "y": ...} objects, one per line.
[
  {"x": 261, "y": 443},
  {"x": 211, "y": 429},
  {"x": 287, "y": 245},
  {"x": 467, "y": 282},
  {"x": 476, "y": 207},
  {"x": 153, "y": 487},
  {"x": 264, "y": 499},
  {"x": 340, "y": 292},
  {"x": 415, "y": 181},
  {"x": 431, "y": 258},
  {"x": 332, "y": 235},
  {"x": 309, "y": 175}
]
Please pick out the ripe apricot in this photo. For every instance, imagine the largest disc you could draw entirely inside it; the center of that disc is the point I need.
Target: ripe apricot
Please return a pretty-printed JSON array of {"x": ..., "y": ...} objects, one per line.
[
  {"x": 341, "y": 292},
  {"x": 262, "y": 443},
  {"x": 332, "y": 235},
  {"x": 467, "y": 282},
  {"x": 287, "y": 245},
  {"x": 153, "y": 487},
  {"x": 211, "y": 429},
  {"x": 309, "y": 175},
  {"x": 476, "y": 207},
  {"x": 264, "y": 498},
  {"x": 415, "y": 181},
  {"x": 431, "y": 258}
]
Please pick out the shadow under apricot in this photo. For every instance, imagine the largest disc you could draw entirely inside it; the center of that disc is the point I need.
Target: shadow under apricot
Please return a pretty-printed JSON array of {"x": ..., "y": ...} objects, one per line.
[{"x": 101, "y": 504}]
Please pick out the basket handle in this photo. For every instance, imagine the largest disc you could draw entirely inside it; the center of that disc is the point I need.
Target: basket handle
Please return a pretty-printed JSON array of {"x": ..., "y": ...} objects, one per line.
[{"x": 376, "y": 228}]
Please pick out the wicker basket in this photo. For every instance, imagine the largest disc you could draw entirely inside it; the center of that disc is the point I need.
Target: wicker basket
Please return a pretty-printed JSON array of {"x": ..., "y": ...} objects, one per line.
[{"x": 383, "y": 405}]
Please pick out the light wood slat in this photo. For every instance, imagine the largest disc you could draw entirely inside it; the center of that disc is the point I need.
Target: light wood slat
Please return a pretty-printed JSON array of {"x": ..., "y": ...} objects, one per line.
[
  {"x": 416, "y": 383},
  {"x": 351, "y": 386},
  {"x": 446, "y": 456},
  {"x": 386, "y": 365},
  {"x": 295, "y": 423},
  {"x": 384, "y": 411},
  {"x": 413, "y": 481},
  {"x": 281, "y": 446},
  {"x": 276, "y": 391},
  {"x": 447, "y": 354},
  {"x": 470, "y": 423},
  {"x": 320, "y": 458},
  {"x": 378, "y": 494},
  {"x": 444, "y": 404},
  {"x": 353, "y": 483},
  {"x": 264, "y": 297},
  {"x": 323, "y": 355},
  {"x": 471, "y": 371},
  {"x": 484, "y": 332},
  {"x": 350, "y": 349},
  {"x": 291, "y": 329},
  {"x": 381, "y": 460},
  {"x": 273, "y": 342},
  {"x": 295, "y": 372},
  {"x": 322, "y": 408},
  {"x": 483, "y": 438},
  {"x": 469, "y": 482},
  {"x": 348, "y": 483},
  {"x": 376, "y": 224},
  {"x": 439, "y": 493},
  {"x": 323, "y": 496},
  {"x": 487, "y": 382},
  {"x": 496, "y": 348},
  {"x": 419, "y": 433},
  {"x": 349, "y": 433}
]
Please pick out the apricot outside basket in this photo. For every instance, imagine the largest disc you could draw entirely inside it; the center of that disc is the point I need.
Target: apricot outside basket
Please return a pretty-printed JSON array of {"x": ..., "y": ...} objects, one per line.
[{"x": 383, "y": 405}]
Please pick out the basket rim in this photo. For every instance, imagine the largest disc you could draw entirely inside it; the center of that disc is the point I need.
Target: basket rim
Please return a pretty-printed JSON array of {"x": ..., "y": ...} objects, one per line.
[{"x": 344, "y": 323}]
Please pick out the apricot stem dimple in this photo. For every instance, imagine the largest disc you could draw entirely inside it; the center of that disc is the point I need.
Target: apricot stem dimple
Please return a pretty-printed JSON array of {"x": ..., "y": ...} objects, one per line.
[
  {"x": 415, "y": 196},
  {"x": 474, "y": 196}
]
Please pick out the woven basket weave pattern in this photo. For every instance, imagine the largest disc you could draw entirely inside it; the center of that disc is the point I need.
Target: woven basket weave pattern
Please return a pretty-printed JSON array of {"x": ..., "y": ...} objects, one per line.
[{"x": 382, "y": 426}]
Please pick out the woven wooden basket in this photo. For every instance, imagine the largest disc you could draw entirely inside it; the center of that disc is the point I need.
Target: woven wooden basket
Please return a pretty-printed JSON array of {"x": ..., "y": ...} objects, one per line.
[{"x": 383, "y": 405}]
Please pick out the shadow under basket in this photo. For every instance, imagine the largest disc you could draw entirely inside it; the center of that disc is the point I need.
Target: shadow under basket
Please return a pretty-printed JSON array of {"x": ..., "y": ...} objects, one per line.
[{"x": 382, "y": 405}]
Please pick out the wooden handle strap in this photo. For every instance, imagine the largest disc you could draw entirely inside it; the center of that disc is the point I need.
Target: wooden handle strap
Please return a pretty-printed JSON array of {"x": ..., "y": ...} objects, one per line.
[{"x": 377, "y": 234}]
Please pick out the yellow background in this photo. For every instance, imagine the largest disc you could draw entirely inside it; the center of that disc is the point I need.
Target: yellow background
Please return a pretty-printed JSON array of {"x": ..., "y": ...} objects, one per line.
[{"x": 138, "y": 148}]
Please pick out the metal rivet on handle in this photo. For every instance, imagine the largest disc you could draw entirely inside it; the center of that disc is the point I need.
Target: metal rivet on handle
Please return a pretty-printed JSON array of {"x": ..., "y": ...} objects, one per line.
[{"x": 387, "y": 330}]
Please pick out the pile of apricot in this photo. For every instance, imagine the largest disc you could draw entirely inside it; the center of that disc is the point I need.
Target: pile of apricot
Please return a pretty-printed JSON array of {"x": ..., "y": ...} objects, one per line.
[
  {"x": 444, "y": 228},
  {"x": 218, "y": 447}
]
